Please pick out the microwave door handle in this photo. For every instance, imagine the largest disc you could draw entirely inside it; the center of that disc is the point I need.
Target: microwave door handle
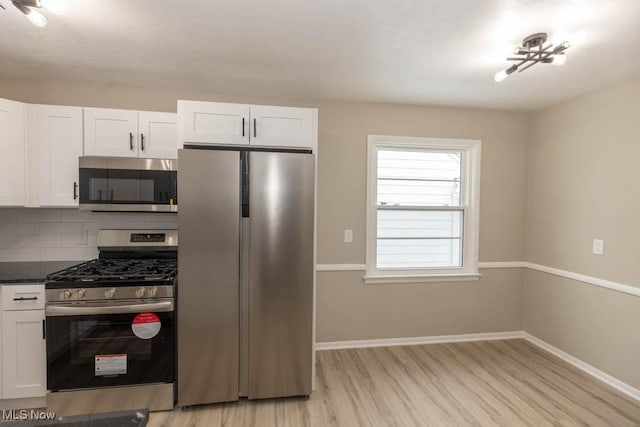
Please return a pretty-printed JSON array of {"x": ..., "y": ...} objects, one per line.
[{"x": 92, "y": 309}]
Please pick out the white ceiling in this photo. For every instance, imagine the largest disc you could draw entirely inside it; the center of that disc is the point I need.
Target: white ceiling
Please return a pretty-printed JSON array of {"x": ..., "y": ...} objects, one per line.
[{"x": 405, "y": 51}]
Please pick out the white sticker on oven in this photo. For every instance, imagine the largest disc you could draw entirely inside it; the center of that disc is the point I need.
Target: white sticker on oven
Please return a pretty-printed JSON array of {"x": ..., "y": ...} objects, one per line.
[
  {"x": 145, "y": 325},
  {"x": 111, "y": 364}
]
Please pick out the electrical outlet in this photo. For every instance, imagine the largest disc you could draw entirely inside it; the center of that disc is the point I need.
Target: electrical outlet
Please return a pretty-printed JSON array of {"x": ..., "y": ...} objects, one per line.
[
  {"x": 598, "y": 247},
  {"x": 348, "y": 236}
]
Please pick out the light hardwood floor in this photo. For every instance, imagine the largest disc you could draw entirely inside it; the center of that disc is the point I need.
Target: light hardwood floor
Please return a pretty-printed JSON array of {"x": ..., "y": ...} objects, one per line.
[{"x": 509, "y": 383}]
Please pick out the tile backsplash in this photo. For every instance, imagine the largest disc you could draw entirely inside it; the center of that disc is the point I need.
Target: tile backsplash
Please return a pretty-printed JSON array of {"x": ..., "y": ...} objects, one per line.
[{"x": 38, "y": 234}]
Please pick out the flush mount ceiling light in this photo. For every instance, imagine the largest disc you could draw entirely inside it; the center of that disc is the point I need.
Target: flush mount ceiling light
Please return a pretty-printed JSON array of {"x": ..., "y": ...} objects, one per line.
[
  {"x": 29, "y": 8},
  {"x": 533, "y": 51}
]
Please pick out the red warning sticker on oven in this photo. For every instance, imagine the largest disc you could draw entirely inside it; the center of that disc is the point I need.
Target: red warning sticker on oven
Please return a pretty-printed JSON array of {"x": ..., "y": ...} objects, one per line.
[{"x": 145, "y": 325}]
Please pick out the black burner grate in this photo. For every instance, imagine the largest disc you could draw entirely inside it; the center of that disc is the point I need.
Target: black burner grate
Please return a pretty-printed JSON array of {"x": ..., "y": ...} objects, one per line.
[{"x": 109, "y": 270}]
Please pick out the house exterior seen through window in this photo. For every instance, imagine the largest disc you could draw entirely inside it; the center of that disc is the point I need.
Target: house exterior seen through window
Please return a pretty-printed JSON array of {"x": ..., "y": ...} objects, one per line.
[{"x": 422, "y": 216}]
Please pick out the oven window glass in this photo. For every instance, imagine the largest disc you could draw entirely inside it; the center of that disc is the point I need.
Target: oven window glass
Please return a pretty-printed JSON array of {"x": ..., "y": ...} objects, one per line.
[
  {"x": 74, "y": 343},
  {"x": 94, "y": 337}
]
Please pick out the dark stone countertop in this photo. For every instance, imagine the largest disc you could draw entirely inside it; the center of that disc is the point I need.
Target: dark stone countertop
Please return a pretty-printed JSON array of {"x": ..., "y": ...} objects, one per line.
[{"x": 30, "y": 272}]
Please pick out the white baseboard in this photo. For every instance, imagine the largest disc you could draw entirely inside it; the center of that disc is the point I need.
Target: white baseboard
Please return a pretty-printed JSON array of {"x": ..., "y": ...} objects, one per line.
[
  {"x": 621, "y": 386},
  {"x": 438, "y": 339}
]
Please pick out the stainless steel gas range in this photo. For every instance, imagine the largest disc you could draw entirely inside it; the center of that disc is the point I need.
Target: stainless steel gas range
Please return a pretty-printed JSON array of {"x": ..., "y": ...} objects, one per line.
[{"x": 110, "y": 326}]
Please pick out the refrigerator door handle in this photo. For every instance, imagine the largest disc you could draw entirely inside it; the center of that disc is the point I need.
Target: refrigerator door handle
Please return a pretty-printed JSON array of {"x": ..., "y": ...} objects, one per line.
[{"x": 244, "y": 308}]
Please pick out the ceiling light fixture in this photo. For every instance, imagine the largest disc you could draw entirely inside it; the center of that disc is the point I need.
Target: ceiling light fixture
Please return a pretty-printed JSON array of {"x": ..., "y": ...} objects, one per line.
[
  {"x": 29, "y": 8},
  {"x": 532, "y": 51}
]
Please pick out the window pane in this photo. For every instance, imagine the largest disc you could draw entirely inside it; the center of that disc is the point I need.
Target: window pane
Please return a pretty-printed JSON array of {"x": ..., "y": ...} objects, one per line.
[
  {"x": 419, "y": 224},
  {"x": 419, "y": 253},
  {"x": 418, "y": 178},
  {"x": 418, "y": 193},
  {"x": 418, "y": 164}
]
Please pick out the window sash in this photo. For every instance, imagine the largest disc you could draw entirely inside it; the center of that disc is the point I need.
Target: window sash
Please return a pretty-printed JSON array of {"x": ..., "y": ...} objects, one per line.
[
  {"x": 469, "y": 187},
  {"x": 448, "y": 257}
]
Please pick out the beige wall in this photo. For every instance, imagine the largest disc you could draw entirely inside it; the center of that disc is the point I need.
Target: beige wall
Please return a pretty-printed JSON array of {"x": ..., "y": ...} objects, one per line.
[
  {"x": 594, "y": 324},
  {"x": 350, "y": 310},
  {"x": 491, "y": 304},
  {"x": 583, "y": 184}
]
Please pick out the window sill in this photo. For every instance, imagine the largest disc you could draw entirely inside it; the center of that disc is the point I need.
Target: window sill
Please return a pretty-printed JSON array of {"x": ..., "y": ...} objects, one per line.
[{"x": 427, "y": 278}]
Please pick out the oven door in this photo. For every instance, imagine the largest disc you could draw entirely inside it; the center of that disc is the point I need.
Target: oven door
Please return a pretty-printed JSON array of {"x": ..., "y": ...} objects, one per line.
[
  {"x": 109, "y": 344},
  {"x": 128, "y": 184}
]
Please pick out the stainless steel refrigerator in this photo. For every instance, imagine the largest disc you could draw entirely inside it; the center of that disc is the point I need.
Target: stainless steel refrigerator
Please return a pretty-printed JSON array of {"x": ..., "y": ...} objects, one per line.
[{"x": 245, "y": 274}]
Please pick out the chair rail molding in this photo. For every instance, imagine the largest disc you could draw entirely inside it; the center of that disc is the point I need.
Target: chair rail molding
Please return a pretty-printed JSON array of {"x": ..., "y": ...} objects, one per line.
[{"x": 582, "y": 278}]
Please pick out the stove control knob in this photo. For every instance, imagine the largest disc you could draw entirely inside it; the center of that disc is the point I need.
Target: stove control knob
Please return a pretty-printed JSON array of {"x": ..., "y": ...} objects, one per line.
[
  {"x": 81, "y": 293},
  {"x": 139, "y": 292},
  {"x": 152, "y": 292},
  {"x": 110, "y": 293},
  {"x": 66, "y": 294}
]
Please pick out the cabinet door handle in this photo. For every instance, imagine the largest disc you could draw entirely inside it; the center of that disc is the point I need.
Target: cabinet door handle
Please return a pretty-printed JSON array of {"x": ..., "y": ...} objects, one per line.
[
  {"x": 142, "y": 141},
  {"x": 131, "y": 141},
  {"x": 254, "y": 128},
  {"x": 243, "y": 127},
  {"x": 44, "y": 329},
  {"x": 25, "y": 299},
  {"x": 75, "y": 190}
]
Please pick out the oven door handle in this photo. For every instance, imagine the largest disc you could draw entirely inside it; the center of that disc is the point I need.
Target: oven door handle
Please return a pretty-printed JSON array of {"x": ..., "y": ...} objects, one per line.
[{"x": 88, "y": 309}]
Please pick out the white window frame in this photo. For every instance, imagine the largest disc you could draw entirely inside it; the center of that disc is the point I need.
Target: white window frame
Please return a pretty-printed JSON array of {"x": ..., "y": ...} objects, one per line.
[{"x": 470, "y": 202}]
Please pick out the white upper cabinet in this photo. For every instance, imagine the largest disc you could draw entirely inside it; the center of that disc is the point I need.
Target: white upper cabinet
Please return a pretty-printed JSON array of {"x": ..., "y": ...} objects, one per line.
[
  {"x": 281, "y": 126},
  {"x": 12, "y": 153},
  {"x": 109, "y": 132},
  {"x": 158, "y": 135},
  {"x": 213, "y": 123},
  {"x": 54, "y": 135},
  {"x": 127, "y": 133},
  {"x": 240, "y": 124}
]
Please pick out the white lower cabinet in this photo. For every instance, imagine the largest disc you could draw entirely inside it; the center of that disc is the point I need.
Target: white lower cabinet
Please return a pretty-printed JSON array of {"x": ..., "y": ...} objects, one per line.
[{"x": 23, "y": 352}]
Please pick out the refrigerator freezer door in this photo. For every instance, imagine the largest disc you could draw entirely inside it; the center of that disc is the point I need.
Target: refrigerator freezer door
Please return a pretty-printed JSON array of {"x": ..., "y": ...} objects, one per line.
[
  {"x": 280, "y": 274},
  {"x": 208, "y": 276}
]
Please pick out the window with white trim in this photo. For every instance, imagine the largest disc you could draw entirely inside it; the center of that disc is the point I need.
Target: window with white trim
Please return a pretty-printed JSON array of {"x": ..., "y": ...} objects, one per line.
[{"x": 422, "y": 209}]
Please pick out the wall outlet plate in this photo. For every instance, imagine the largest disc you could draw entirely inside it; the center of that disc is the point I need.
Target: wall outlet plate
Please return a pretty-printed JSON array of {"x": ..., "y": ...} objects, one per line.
[
  {"x": 598, "y": 247},
  {"x": 348, "y": 236}
]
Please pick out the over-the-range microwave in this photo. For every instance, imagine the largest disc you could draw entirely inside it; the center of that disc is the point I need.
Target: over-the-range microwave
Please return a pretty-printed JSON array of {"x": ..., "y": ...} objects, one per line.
[{"x": 128, "y": 185}]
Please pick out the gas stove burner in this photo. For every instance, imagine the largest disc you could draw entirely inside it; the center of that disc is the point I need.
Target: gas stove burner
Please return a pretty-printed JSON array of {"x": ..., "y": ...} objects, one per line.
[{"x": 116, "y": 271}]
